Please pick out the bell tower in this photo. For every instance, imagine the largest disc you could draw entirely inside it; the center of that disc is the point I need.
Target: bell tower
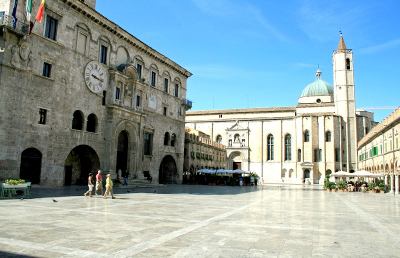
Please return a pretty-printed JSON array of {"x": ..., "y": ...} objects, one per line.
[{"x": 343, "y": 80}]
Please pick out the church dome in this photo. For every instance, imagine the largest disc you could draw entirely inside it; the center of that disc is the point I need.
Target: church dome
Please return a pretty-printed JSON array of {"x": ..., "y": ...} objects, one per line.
[{"x": 318, "y": 87}]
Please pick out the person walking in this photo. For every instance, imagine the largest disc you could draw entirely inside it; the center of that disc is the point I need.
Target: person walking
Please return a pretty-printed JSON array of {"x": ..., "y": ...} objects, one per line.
[
  {"x": 90, "y": 185},
  {"x": 109, "y": 187},
  {"x": 99, "y": 183},
  {"x": 125, "y": 176}
]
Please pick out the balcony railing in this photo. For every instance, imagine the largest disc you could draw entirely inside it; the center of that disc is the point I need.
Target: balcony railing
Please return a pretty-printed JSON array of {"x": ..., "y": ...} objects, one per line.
[
  {"x": 19, "y": 27},
  {"x": 187, "y": 103}
]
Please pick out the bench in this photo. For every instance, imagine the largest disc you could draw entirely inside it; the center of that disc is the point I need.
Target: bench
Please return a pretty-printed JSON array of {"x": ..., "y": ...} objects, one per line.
[{"x": 11, "y": 191}]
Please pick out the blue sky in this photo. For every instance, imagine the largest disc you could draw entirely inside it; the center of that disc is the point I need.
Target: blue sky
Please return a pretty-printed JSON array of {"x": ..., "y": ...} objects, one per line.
[{"x": 254, "y": 53}]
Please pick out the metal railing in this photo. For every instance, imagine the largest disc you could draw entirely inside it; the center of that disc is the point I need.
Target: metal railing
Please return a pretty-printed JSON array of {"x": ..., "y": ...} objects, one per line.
[{"x": 19, "y": 27}]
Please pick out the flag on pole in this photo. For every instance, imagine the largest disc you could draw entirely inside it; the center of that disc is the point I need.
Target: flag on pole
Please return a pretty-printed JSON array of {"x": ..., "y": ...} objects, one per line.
[
  {"x": 28, "y": 9},
  {"x": 14, "y": 14},
  {"x": 40, "y": 13}
]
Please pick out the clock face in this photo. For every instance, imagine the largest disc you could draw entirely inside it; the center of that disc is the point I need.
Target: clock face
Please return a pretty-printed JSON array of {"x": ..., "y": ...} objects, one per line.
[{"x": 95, "y": 77}]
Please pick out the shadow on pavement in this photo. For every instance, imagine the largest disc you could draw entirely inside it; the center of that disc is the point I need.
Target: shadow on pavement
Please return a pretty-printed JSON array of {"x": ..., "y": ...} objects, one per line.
[{"x": 8, "y": 255}]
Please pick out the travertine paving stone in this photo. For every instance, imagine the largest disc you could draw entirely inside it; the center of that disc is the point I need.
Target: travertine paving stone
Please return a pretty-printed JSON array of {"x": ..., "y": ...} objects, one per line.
[{"x": 203, "y": 221}]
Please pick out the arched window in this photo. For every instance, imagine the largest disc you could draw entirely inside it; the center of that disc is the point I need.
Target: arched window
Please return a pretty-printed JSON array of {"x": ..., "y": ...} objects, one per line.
[
  {"x": 270, "y": 147},
  {"x": 77, "y": 120},
  {"x": 288, "y": 147},
  {"x": 348, "y": 67},
  {"x": 236, "y": 138},
  {"x": 306, "y": 136},
  {"x": 328, "y": 136},
  {"x": 299, "y": 155},
  {"x": 166, "y": 138},
  {"x": 218, "y": 138},
  {"x": 91, "y": 123},
  {"x": 173, "y": 139}
]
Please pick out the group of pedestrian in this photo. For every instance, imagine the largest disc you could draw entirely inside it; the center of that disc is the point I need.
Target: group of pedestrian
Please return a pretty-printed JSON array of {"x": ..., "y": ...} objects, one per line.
[{"x": 99, "y": 185}]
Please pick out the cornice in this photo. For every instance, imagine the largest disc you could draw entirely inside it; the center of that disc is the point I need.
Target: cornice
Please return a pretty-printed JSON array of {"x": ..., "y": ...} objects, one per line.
[{"x": 112, "y": 27}]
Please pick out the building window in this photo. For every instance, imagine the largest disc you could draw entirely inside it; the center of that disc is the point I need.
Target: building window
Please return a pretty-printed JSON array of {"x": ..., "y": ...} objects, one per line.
[
  {"x": 148, "y": 143},
  {"x": 306, "y": 136},
  {"x": 299, "y": 155},
  {"x": 166, "y": 82},
  {"x": 319, "y": 155},
  {"x": 348, "y": 64},
  {"x": 77, "y": 120},
  {"x": 230, "y": 143},
  {"x": 173, "y": 140},
  {"x": 166, "y": 138},
  {"x": 236, "y": 138},
  {"x": 218, "y": 139},
  {"x": 153, "y": 79},
  {"x": 138, "y": 101},
  {"x": 51, "y": 28},
  {"x": 91, "y": 123},
  {"x": 42, "y": 116},
  {"x": 328, "y": 136},
  {"x": 337, "y": 154},
  {"x": 220, "y": 116},
  {"x": 243, "y": 144},
  {"x": 165, "y": 111},
  {"x": 117, "y": 93},
  {"x": 103, "y": 54},
  {"x": 288, "y": 147},
  {"x": 46, "y": 70},
  {"x": 270, "y": 147},
  {"x": 176, "y": 92},
  {"x": 139, "y": 70}
]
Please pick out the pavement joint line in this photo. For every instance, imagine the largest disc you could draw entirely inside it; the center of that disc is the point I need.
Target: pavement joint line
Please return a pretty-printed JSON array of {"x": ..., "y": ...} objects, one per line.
[
  {"x": 50, "y": 248},
  {"x": 370, "y": 219},
  {"x": 114, "y": 214},
  {"x": 143, "y": 246}
]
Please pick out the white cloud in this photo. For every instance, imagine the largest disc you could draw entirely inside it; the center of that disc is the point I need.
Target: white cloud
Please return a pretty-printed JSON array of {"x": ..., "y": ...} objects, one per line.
[
  {"x": 242, "y": 13},
  {"x": 380, "y": 47}
]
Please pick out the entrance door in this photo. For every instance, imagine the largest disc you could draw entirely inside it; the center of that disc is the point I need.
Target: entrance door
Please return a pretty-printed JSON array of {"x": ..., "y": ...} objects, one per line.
[
  {"x": 237, "y": 165},
  {"x": 168, "y": 173},
  {"x": 31, "y": 164},
  {"x": 68, "y": 175},
  {"x": 81, "y": 161},
  {"x": 122, "y": 152}
]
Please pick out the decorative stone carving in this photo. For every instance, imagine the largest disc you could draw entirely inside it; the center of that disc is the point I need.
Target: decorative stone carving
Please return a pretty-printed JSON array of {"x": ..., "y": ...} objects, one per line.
[{"x": 21, "y": 56}]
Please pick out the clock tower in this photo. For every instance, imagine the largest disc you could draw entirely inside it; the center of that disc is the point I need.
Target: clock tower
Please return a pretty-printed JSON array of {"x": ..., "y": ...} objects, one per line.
[{"x": 343, "y": 77}]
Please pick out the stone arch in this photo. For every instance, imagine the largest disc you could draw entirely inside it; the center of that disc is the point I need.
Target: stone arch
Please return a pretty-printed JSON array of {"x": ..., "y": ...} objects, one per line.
[
  {"x": 168, "y": 173},
  {"x": 80, "y": 161},
  {"x": 283, "y": 173},
  {"x": 91, "y": 124},
  {"x": 77, "y": 120},
  {"x": 236, "y": 158},
  {"x": 122, "y": 56},
  {"x": 31, "y": 165},
  {"x": 291, "y": 173}
]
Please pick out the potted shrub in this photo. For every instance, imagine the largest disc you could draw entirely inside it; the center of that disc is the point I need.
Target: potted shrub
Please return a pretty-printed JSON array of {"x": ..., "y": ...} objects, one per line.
[{"x": 342, "y": 185}]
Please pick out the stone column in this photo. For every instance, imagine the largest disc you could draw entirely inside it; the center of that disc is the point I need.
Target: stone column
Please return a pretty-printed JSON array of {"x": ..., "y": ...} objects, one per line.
[{"x": 392, "y": 184}]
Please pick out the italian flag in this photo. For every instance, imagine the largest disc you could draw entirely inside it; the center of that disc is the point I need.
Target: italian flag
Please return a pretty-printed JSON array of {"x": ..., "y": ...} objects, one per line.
[
  {"x": 39, "y": 15},
  {"x": 28, "y": 9}
]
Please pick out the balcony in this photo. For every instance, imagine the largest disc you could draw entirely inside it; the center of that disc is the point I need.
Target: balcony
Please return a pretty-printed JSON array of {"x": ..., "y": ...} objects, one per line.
[
  {"x": 20, "y": 28},
  {"x": 187, "y": 103}
]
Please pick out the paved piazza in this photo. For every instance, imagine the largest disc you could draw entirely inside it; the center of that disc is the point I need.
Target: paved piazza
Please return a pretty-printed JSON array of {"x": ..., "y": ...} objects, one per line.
[{"x": 202, "y": 221}]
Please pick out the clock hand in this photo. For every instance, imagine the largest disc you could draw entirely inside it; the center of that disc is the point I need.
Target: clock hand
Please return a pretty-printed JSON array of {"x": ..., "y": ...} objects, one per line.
[{"x": 97, "y": 78}]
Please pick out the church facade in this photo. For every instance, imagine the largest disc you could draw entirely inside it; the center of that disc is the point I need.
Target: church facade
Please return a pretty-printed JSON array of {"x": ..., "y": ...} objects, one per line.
[
  {"x": 299, "y": 144},
  {"x": 80, "y": 93}
]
